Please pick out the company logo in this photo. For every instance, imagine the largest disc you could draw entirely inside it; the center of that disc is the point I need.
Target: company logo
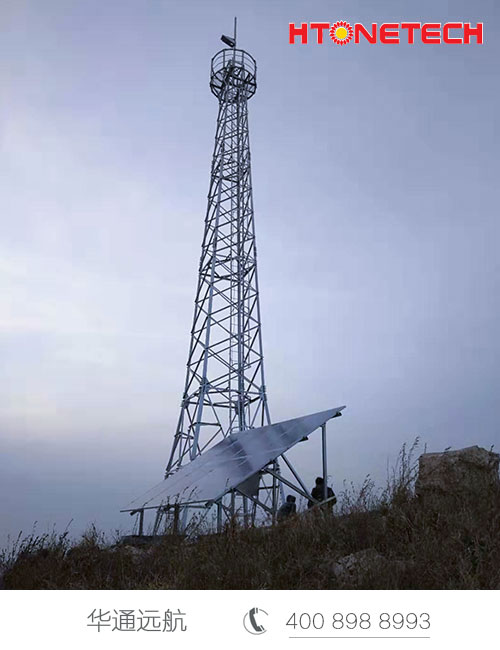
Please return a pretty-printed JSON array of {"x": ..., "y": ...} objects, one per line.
[{"x": 341, "y": 33}]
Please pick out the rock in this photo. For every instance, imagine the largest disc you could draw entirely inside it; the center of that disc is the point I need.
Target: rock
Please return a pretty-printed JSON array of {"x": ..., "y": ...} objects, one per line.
[
  {"x": 368, "y": 567},
  {"x": 351, "y": 568},
  {"x": 464, "y": 471},
  {"x": 134, "y": 553}
]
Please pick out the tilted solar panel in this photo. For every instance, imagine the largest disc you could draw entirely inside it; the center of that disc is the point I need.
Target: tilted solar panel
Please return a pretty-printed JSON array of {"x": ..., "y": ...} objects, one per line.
[{"x": 231, "y": 462}]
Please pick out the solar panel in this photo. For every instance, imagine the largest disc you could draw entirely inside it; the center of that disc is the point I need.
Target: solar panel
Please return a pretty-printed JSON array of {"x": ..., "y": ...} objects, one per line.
[{"x": 231, "y": 462}]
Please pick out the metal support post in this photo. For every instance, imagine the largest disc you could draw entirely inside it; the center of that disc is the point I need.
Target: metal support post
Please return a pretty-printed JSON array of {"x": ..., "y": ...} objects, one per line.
[
  {"x": 176, "y": 518},
  {"x": 291, "y": 485},
  {"x": 219, "y": 517},
  {"x": 141, "y": 522},
  {"x": 325, "y": 468}
]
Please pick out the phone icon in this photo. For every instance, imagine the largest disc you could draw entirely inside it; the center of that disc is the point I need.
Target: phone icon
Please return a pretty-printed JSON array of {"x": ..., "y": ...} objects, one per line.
[{"x": 252, "y": 621}]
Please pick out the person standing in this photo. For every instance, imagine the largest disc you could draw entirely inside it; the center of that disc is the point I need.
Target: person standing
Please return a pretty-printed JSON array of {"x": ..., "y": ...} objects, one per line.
[
  {"x": 288, "y": 508},
  {"x": 318, "y": 493}
]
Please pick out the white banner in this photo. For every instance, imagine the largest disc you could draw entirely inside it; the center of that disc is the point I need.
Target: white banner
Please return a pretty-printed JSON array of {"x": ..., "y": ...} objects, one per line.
[{"x": 247, "y": 619}]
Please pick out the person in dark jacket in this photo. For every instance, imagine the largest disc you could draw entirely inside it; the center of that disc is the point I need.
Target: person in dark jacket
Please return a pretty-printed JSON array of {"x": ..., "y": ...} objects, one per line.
[
  {"x": 288, "y": 508},
  {"x": 318, "y": 493}
]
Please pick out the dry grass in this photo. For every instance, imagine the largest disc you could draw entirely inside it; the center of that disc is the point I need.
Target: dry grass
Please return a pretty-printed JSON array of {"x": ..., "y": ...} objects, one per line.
[{"x": 450, "y": 542}]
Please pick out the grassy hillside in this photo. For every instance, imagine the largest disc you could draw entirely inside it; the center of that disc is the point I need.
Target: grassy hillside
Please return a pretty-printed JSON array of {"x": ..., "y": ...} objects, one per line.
[{"x": 376, "y": 540}]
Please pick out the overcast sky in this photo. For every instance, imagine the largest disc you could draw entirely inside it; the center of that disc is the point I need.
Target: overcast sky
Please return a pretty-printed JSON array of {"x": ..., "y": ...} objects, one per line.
[{"x": 375, "y": 174}]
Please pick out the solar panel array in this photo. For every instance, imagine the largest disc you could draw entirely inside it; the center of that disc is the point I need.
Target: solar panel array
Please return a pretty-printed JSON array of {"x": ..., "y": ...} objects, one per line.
[{"x": 232, "y": 462}]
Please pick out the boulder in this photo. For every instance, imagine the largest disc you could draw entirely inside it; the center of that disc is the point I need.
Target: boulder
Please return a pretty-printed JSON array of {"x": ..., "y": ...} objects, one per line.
[
  {"x": 353, "y": 568},
  {"x": 133, "y": 552},
  {"x": 461, "y": 471},
  {"x": 368, "y": 567}
]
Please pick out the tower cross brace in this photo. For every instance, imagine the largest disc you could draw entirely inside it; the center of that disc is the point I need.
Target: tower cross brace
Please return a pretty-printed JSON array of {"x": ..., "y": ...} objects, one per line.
[{"x": 224, "y": 389}]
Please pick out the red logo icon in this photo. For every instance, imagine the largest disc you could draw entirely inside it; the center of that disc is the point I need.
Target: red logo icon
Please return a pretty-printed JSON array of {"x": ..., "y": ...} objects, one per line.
[{"x": 341, "y": 32}]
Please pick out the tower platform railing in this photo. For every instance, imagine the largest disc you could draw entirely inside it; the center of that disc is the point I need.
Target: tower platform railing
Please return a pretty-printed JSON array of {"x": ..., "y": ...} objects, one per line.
[{"x": 236, "y": 69}]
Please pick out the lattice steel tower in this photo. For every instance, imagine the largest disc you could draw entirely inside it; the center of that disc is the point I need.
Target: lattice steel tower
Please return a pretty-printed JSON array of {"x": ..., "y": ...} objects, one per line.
[{"x": 225, "y": 389}]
